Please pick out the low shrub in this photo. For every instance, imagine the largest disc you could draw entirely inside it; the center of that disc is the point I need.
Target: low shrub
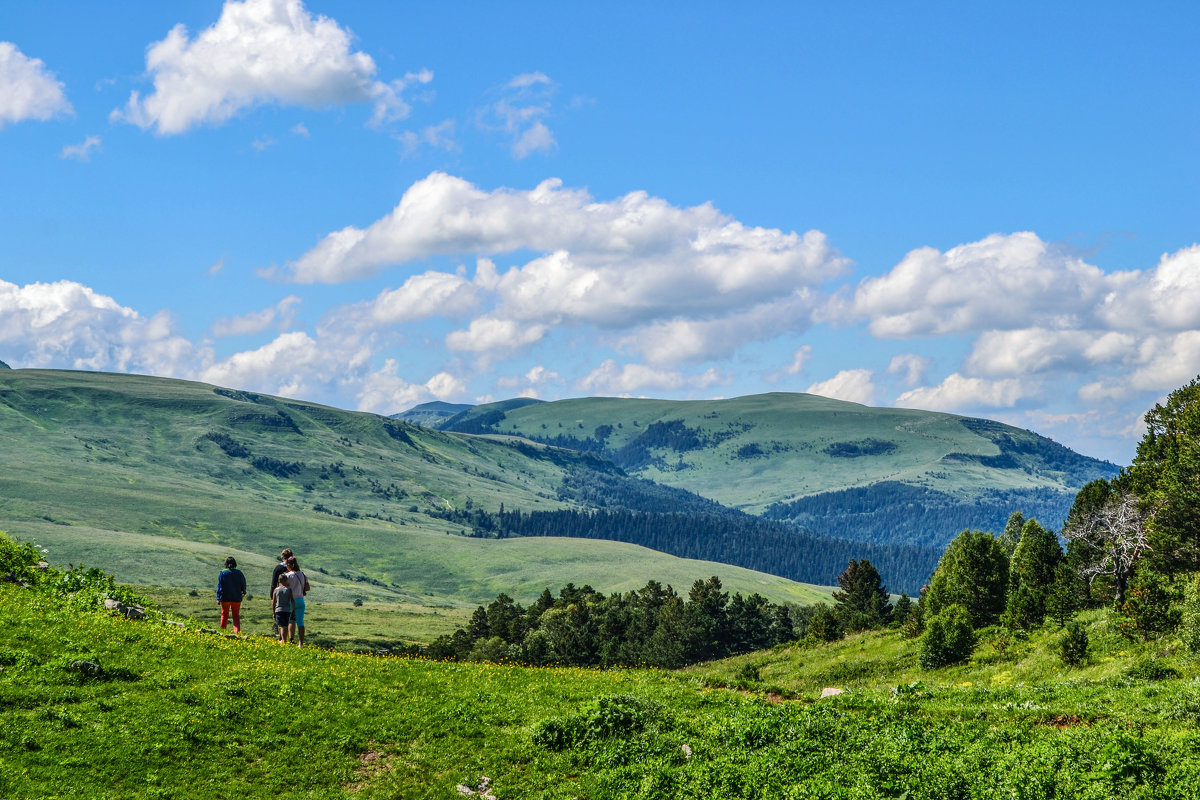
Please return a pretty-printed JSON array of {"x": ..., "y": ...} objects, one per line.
[
  {"x": 948, "y": 638},
  {"x": 1152, "y": 669},
  {"x": 1073, "y": 646},
  {"x": 607, "y": 717}
]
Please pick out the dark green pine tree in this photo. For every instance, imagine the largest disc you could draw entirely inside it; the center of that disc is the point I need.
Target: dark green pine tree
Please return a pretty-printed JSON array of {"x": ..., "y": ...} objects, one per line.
[
  {"x": 749, "y": 623},
  {"x": 1066, "y": 596},
  {"x": 861, "y": 602},
  {"x": 1012, "y": 533},
  {"x": 710, "y": 621},
  {"x": 972, "y": 573},
  {"x": 825, "y": 625},
  {"x": 505, "y": 618},
  {"x": 1030, "y": 576},
  {"x": 666, "y": 647},
  {"x": 1165, "y": 475}
]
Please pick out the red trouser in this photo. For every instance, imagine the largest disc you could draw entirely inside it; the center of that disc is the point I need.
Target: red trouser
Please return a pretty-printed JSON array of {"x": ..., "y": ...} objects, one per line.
[{"x": 236, "y": 608}]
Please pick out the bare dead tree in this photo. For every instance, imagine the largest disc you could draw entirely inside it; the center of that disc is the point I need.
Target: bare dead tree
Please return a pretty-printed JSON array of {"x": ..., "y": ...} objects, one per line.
[{"x": 1114, "y": 535}]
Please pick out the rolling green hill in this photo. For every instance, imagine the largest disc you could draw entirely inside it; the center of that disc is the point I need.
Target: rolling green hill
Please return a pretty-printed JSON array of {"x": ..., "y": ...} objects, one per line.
[
  {"x": 834, "y": 467},
  {"x": 159, "y": 479}
]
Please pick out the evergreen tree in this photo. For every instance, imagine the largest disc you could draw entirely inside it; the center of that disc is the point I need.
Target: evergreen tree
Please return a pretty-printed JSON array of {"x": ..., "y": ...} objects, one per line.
[
  {"x": 667, "y": 645},
  {"x": 972, "y": 573},
  {"x": 749, "y": 623},
  {"x": 902, "y": 609},
  {"x": 1030, "y": 576},
  {"x": 783, "y": 628},
  {"x": 1066, "y": 595},
  {"x": 1147, "y": 609},
  {"x": 914, "y": 624},
  {"x": 1073, "y": 647},
  {"x": 504, "y": 619},
  {"x": 1012, "y": 533},
  {"x": 862, "y": 602},
  {"x": 948, "y": 638},
  {"x": 710, "y": 622},
  {"x": 1165, "y": 474},
  {"x": 477, "y": 627},
  {"x": 825, "y": 625},
  {"x": 1025, "y": 609}
]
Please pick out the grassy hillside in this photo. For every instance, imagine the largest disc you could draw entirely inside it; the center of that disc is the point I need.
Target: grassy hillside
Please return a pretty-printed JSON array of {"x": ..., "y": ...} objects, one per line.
[
  {"x": 779, "y": 452},
  {"x": 175, "y": 712},
  {"x": 160, "y": 479}
]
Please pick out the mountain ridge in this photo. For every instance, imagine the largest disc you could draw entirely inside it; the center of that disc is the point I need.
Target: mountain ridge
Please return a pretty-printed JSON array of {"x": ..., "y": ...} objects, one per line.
[{"x": 783, "y": 455}]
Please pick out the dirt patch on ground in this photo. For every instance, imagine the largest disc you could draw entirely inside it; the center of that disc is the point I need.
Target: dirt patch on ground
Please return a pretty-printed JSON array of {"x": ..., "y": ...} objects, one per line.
[
  {"x": 371, "y": 764},
  {"x": 1068, "y": 721}
]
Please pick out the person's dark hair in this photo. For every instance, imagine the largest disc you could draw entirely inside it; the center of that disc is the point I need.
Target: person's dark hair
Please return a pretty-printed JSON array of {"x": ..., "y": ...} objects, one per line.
[
  {"x": 230, "y": 562},
  {"x": 283, "y": 579},
  {"x": 286, "y": 554},
  {"x": 292, "y": 564}
]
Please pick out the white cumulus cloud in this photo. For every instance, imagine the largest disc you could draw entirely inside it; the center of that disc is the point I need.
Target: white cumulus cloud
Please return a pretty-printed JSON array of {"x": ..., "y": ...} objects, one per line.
[
  {"x": 259, "y": 52},
  {"x": 708, "y": 282},
  {"x": 910, "y": 367},
  {"x": 27, "y": 89},
  {"x": 1001, "y": 282},
  {"x": 420, "y": 297},
  {"x": 958, "y": 392},
  {"x": 613, "y": 379},
  {"x": 67, "y": 324},
  {"x": 853, "y": 385},
  {"x": 292, "y": 365},
  {"x": 495, "y": 336}
]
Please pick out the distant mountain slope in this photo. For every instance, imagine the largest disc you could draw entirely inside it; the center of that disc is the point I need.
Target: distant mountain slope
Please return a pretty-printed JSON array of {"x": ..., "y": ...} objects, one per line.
[
  {"x": 832, "y": 466},
  {"x": 153, "y": 473},
  {"x": 431, "y": 415}
]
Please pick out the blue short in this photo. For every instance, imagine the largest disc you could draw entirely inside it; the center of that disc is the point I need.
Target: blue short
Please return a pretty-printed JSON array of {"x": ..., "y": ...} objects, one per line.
[{"x": 298, "y": 617}]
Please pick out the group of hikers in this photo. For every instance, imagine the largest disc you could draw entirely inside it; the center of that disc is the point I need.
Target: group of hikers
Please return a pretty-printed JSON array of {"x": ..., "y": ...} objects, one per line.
[{"x": 289, "y": 585}]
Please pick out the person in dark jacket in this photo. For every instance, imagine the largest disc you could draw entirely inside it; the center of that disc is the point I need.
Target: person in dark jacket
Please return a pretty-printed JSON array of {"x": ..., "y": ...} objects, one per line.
[
  {"x": 280, "y": 569},
  {"x": 231, "y": 588}
]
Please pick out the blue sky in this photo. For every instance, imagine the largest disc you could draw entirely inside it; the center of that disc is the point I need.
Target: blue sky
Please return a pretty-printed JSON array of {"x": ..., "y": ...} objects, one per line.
[{"x": 991, "y": 211}]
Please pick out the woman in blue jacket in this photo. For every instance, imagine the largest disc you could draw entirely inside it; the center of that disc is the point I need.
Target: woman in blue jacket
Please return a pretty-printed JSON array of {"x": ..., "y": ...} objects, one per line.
[{"x": 231, "y": 588}]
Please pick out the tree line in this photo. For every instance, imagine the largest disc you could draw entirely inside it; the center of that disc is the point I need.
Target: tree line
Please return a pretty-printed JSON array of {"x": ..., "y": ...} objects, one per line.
[
  {"x": 729, "y": 537},
  {"x": 652, "y": 626}
]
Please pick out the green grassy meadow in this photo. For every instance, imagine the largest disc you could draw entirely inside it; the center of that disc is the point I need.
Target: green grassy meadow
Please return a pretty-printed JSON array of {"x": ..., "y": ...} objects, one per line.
[
  {"x": 178, "y": 712},
  {"x": 158, "y": 480}
]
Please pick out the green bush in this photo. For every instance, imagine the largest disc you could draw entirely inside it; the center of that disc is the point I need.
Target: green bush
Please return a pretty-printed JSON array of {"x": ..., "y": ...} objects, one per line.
[
  {"x": 1073, "y": 647},
  {"x": 1152, "y": 669},
  {"x": 948, "y": 638},
  {"x": 18, "y": 558},
  {"x": 1147, "y": 612},
  {"x": 1189, "y": 622},
  {"x": 825, "y": 625},
  {"x": 608, "y": 717}
]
